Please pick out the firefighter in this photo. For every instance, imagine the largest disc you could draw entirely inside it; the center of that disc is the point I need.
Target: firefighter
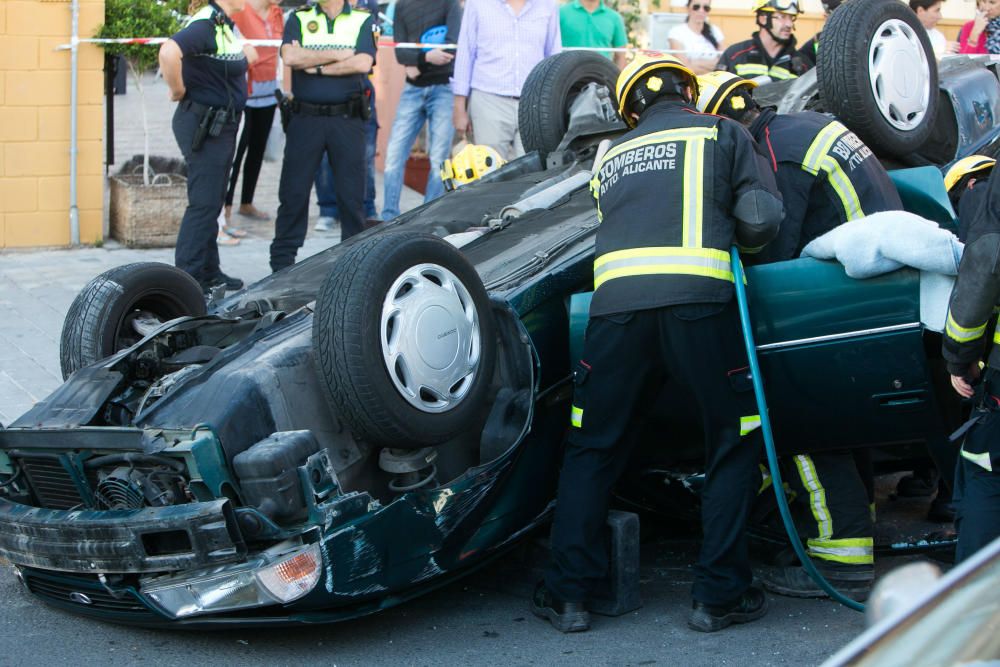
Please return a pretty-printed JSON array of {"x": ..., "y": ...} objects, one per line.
[
  {"x": 826, "y": 176},
  {"x": 970, "y": 311},
  {"x": 809, "y": 51},
  {"x": 967, "y": 183},
  {"x": 671, "y": 195},
  {"x": 769, "y": 54}
]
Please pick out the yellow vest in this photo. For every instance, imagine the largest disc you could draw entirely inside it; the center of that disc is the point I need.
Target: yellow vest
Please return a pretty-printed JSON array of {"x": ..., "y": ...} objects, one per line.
[
  {"x": 227, "y": 46},
  {"x": 319, "y": 32}
]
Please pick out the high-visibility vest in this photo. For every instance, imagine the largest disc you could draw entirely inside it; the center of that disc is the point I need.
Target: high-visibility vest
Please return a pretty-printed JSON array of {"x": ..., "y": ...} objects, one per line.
[
  {"x": 227, "y": 45},
  {"x": 320, "y": 32}
]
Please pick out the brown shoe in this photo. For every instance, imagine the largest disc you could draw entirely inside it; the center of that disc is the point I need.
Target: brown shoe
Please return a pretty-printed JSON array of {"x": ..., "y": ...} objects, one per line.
[{"x": 252, "y": 212}]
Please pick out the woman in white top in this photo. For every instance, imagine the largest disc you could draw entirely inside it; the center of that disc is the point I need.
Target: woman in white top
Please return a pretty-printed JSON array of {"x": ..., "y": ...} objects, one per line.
[{"x": 696, "y": 41}]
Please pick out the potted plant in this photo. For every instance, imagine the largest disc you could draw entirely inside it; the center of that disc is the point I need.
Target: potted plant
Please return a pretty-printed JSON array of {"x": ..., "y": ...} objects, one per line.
[{"x": 146, "y": 207}]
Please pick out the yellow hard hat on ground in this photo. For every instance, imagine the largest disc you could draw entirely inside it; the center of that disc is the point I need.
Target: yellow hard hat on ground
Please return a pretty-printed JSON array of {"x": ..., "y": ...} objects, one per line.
[
  {"x": 966, "y": 166},
  {"x": 639, "y": 82},
  {"x": 715, "y": 87},
  {"x": 470, "y": 164},
  {"x": 783, "y": 6}
]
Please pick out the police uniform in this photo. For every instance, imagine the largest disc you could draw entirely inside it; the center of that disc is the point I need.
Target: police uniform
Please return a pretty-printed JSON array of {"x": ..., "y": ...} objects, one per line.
[
  {"x": 213, "y": 69},
  {"x": 327, "y": 115},
  {"x": 970, "y": 314},
  {"x": 672, "y": 195},
  {"x": 749, "y": 59},
  {"x": 827, "y": 176}
]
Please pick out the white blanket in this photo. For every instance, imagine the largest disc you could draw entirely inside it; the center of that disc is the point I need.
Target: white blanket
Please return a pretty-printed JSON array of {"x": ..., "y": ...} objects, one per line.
[{"x": 883, "y": 242}]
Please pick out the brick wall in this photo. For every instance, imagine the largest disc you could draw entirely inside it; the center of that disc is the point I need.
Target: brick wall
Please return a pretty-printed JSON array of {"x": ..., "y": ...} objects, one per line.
[{"x": 34, "y": 123}]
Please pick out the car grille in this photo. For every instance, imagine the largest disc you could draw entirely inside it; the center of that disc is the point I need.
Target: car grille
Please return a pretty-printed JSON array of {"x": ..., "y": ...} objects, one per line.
[
  {"x": 52, "y": 483},
  {"x": 66, "y": 592}
]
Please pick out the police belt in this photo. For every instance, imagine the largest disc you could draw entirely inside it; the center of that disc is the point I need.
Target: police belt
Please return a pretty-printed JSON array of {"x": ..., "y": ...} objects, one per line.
[
  {"x": 350, "y": 108},
  {"x": 201, "y": 109}
]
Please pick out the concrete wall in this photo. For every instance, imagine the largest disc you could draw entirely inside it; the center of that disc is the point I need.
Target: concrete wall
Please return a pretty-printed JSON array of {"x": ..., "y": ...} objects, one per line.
[{"x": 34, "y": 123}]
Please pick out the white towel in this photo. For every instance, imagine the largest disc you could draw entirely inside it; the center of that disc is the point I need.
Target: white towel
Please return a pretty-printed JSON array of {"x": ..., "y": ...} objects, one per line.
[{"x": 883, "y": 242}]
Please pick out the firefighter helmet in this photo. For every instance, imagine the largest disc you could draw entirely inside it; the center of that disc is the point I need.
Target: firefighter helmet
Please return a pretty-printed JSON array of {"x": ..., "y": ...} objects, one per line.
[
  {"x": 470, "y": 164},
  {"x": 966, "y": 166},
  {"x": 783, "y": 6},
  {"x": 716, "y": 93},
  {"x": 642, "y": 81}
]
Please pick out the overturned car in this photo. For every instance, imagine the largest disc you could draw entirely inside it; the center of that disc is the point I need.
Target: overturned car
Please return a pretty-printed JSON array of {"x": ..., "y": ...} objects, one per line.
[{"x": 383, "y": 417}]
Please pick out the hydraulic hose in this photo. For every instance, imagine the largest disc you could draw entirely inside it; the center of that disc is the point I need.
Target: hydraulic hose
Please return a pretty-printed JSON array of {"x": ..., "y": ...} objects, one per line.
[{"x": 772, "y": 456}]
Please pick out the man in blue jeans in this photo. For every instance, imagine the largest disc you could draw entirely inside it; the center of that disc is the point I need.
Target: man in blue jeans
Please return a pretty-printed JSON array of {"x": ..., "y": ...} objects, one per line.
[{"x": 426, "y": 94}]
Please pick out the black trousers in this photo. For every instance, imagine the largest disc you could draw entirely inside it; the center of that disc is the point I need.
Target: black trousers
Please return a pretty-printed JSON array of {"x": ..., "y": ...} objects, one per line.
[
  {"x": 257, "y": 123},
  {"x": 626, "y": 359},
  {"x": 977, "y": 490},
  {"x": 307, "y": 138},
  {"x": 196, "y": 251}
]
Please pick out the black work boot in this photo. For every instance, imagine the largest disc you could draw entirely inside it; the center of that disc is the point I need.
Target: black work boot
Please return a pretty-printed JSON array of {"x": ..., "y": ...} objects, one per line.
[
  {"x": 221, "y": 279},
  {"x": 564, "y": 616},
  {"x": 748, "y": 607},
  {"x": 853, "y": 581}
]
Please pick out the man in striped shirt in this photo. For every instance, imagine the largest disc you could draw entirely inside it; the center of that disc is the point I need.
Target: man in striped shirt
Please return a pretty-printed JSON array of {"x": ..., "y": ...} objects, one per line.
[{"x": 499, "y": 43}]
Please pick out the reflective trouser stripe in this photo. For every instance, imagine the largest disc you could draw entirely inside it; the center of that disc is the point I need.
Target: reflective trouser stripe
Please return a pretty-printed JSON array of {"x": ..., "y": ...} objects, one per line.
[
  {"x": 981, "y": 460},
  {"x": 576, "y": 417},
  {"x": 749, "y": 424},
  {"x": 817, "y": 496},
  {"x": 852, "y": 551},
  {"x": 961, "y": 334},
  {"x": 818, "y": 159},
  {"x": 765, "y": 481},
  {"x": 996, "y": 336},
  {"x": 706, "y": 262}
]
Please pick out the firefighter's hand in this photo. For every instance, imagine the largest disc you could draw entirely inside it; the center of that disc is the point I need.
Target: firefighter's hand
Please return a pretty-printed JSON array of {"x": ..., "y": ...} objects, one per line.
[
  {"x": 439, "y": 57},
  {"x": 963, "y": 384}
]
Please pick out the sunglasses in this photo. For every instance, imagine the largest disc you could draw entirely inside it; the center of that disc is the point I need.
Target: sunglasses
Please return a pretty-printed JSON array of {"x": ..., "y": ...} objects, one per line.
[{"x": 696, "y": 7}]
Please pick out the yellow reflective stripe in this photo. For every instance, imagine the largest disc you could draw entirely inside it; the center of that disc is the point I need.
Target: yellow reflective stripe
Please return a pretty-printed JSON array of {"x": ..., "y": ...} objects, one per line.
[
  {"x": 996, "y": 336},
  {"x": 346, "y": 28},
  {"x": 595, "y": 188},
  {"x": 820, "y": 147},
  {"x": 962, "y": 334},
  {"x": 981, "y": 460},
  {"x": 765, "y": 478},
  {"x": 853, "y": 551},
  {"x": 751, "y": 69},
  {"x": 226, "y": 43},
  {"x": 576, "y": 417},
  {"x": 817, "y": 495},
  {"x": 694, "y": 204},
  {"x": 780, "y": 73},
  {"x": 679, "y": 134},
  {"x": 842, "y": 185},
  {"x": 749, "y": 424},
  {"x": 706, "y": 262}
]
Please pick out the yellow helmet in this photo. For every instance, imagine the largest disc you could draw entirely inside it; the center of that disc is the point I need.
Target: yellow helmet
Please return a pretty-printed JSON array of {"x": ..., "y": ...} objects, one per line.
[
  {"x": 470, "y": 164},
  {"x": 636, "y": 72},
  {"x": 783, "y": 6},
  {"x": 715, "y": 87},
  {"x": 966, "y": 166}
]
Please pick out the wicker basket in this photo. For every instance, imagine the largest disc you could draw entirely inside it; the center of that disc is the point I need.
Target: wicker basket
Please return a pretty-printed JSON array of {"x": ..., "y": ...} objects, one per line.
[{"x": 147, "y": 216}]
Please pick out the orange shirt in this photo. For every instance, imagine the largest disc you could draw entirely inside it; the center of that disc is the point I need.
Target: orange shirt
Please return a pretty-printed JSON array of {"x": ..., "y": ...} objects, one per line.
[{"x": 252, "y": 26}]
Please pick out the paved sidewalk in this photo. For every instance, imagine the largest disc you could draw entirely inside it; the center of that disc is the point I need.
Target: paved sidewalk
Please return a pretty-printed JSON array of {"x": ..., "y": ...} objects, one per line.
[{"x": 37, "y": 287}]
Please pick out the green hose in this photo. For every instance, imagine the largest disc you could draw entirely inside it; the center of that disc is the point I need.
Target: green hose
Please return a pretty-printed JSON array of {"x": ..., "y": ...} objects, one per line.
[{"x": 772, "y": 456}]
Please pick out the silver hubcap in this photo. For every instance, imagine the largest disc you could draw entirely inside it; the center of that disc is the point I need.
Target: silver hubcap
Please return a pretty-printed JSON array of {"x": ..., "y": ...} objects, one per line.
[
  {"x": 900, "y": 75},
  {"x": 430, "y": 337}
]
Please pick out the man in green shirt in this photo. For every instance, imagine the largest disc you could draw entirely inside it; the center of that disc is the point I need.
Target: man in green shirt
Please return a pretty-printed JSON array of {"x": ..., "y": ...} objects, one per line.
[{"x": 591, "y": 23}]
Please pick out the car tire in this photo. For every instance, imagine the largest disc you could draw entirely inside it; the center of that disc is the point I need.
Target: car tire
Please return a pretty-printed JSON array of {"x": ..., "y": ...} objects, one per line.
[
  {"x": 99, "y": 321},
  {"x": 404, "y": 340},
  {"x": 549, "y": 91},
  {"x": 867, "y": 45}
]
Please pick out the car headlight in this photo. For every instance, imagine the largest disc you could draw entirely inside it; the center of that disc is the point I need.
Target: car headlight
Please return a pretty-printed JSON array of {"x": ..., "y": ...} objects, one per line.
[{"x": 261, "y": 583}]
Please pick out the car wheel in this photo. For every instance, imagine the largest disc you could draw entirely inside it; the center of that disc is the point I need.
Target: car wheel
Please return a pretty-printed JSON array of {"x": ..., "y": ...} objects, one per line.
[
  {"x": 549, "y": 91},
  {"x": 878, "y": 74},
  {"x": 115, "y": 308},
  {"x": 404, "y": 340}
]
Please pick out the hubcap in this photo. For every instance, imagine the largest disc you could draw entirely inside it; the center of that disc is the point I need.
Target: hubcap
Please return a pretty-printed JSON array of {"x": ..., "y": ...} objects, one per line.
[
  {"x": 430, "y": 337},
  {"x": 899, "y": 74}
]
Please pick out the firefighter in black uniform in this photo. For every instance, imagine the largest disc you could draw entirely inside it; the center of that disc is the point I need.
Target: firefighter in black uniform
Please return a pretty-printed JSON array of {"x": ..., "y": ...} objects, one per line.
[
  {"x": 330, "y": 47},
  {"x": 971, "y": 310},
  {"x": 808, "y": 52},
  {"x": 205, "y": 67},
  {"x": 967, "y": 184},
  {"x": 672, "y": 195},
  {"x": 769, "y": 54},
  {"x": 827, "y": 176}
]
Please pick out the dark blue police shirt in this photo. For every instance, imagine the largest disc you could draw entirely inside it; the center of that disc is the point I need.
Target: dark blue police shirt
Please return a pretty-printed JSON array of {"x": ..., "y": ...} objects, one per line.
[
  {"x": 316, "y": 89},
  {"x": 209, "y": 79}
]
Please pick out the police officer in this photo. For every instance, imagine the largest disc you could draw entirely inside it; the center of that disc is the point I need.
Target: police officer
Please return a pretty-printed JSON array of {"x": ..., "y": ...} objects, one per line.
[
  {"x": 826, "y": 176},
  {"x": 204, "y": 66},
  {"x": 330, "y": 47},
  {"x": 769, "y": 54},
  {"x": 970, "y": 311},
  {"x": 672, "y": 195}
]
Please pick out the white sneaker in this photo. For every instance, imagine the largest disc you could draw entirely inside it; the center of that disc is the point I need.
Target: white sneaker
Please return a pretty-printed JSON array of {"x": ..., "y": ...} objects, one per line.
[{"x": 325, "y": 224}]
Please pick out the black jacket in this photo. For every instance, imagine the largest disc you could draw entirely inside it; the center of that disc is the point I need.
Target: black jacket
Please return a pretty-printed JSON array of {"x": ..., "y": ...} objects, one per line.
[
  {"x": 412, "y": 21},
  {"x": 826, "y": 176},
  {"x": 672, "y": 196},
  {"x": 749, "y": 59}
]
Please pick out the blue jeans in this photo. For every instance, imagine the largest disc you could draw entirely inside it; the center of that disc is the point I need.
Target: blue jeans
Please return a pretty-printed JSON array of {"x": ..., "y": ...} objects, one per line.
[
  {"x": 432, "y": 104},
  {"x": 326, "y": 191}
]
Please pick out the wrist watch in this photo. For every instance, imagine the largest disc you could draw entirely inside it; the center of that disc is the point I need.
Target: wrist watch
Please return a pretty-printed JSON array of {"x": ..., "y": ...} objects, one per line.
[{"x": 319, "y": 70}]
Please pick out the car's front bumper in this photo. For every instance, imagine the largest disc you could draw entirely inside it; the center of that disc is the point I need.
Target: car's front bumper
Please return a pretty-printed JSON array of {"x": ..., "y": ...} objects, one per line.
[{"x": 174, "y": 538}]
